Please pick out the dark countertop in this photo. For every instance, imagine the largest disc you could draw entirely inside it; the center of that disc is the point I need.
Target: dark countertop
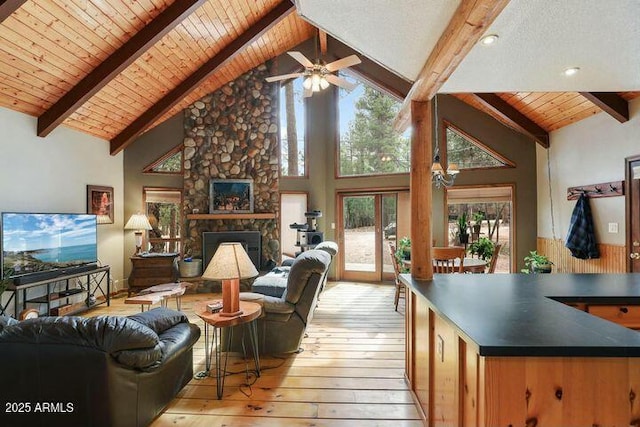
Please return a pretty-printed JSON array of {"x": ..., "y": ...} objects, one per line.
[{"x": 524, "y": 314}]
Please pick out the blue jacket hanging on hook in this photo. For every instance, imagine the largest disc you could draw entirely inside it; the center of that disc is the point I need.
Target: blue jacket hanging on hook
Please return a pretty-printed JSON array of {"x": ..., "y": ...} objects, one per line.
[{"x": 581, "y": 237}]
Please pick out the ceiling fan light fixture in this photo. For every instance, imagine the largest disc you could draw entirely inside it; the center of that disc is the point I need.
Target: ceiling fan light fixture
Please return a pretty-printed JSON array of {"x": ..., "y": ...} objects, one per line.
[
  {"x": 315, "y": 82},
  {"x": 323, "y": 83},
  {"x": 307, "y": 83}
]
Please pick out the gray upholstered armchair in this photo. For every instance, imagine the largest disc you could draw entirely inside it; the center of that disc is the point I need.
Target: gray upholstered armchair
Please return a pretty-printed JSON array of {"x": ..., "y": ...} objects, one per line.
[
  {"x": 274, "y": 283},
  {"x": 284, "y": 319}
]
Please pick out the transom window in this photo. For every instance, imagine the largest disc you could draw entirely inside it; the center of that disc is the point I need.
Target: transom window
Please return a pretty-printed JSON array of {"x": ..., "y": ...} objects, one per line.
[
  {"x": 169, "y": 163},
  {"x": 469, "y": 153},
  {"x": 368, "y": 143}
]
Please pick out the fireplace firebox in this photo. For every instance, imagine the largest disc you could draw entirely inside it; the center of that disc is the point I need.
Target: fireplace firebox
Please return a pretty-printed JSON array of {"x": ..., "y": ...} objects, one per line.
[{"x": 250, "y": 240}]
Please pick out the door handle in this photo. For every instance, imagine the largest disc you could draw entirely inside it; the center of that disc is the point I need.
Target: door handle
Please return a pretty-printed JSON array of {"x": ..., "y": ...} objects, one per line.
[{"x": 634, "y": 255}]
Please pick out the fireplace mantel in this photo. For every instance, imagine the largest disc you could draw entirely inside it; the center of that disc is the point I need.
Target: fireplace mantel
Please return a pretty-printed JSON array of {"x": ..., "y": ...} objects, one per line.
[{"x": 233, "y": 216}]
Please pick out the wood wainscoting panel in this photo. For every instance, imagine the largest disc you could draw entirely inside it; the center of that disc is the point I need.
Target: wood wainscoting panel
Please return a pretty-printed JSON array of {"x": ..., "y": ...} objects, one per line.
[{"x": 612, "y": 258}]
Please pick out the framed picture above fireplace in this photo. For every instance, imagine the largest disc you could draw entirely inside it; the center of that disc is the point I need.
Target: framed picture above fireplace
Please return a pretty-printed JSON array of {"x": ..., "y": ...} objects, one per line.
[{"x": 231, "y": 196}]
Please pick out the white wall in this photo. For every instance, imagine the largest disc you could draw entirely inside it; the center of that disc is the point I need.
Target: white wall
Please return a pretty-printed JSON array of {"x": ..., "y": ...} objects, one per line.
[
  {"x": 591, "y": 151},
  {"x": 51, "y": 174}
]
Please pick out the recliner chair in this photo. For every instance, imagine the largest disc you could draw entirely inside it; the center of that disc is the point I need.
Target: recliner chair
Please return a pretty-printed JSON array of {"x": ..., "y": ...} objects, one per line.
[
  {"x": 274, "y": 283},
  {"x": 284, "y": 319}
]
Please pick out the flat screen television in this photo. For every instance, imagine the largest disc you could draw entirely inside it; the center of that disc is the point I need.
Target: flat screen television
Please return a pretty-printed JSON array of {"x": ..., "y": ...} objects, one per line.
[{"x": 39, "y": 244}]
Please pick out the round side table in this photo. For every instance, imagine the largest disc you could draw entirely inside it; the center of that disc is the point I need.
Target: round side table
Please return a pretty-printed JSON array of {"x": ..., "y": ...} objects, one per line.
[{"x": 250, "y": 312}]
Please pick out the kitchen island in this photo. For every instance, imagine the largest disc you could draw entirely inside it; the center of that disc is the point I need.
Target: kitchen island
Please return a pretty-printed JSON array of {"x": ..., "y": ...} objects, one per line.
[{"x": 516, "y": 349}]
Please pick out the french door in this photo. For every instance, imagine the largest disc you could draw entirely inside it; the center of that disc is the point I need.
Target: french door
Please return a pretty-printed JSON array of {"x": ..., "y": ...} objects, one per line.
[{"x": 368, "y": 223}]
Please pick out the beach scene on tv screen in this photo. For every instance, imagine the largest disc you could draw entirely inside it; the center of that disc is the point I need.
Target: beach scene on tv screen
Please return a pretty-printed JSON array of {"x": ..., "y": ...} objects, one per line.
[{"x": 40, "y": 242}]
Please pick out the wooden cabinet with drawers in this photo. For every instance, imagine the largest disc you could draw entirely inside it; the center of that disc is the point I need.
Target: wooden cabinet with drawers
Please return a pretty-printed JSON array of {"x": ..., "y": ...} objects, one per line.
[
  {"x": 148, "y": 271},
  {"x": 624, "y": 315}
]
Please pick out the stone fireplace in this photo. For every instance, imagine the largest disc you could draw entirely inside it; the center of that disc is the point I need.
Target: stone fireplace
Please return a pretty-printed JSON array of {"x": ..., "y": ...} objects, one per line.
[{"x": 233, "y": 134}]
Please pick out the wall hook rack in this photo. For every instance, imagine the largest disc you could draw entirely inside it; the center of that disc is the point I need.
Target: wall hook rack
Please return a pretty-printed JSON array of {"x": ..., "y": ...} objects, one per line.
[{"x": 606, "y": 189}]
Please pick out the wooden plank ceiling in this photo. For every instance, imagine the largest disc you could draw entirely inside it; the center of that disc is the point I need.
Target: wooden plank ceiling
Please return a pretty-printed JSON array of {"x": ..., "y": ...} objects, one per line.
[
  {"x": 137, "y": 63},
  {"x": 48, "y": 46},
  {"x": 549, "y": 110}
]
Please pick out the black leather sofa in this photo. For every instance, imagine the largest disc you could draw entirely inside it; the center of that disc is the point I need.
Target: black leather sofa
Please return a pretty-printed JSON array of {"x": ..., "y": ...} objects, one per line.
[{"x": 100, "y": 371}]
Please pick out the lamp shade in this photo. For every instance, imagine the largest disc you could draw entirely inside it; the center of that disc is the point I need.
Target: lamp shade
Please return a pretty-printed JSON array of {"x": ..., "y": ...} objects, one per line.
[
  {"x": 230, "y": 262},
  {"x": 138, "y": 222}
]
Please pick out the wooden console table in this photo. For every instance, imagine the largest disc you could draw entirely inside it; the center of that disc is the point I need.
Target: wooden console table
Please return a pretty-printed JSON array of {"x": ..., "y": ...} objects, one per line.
[{"x": 148, "y": 271}]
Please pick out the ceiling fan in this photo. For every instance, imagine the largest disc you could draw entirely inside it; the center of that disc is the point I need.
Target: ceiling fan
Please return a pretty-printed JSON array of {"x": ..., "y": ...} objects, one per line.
[{"x": 319, "y": 75}]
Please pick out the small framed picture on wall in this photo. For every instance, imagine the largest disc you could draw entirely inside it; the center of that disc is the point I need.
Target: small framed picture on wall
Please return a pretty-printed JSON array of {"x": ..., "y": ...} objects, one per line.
[{"x": 100, "y": 203}]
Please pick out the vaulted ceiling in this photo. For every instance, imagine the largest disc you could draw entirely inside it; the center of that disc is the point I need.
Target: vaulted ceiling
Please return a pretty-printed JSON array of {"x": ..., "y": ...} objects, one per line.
[{"x": 115, "y": 69}]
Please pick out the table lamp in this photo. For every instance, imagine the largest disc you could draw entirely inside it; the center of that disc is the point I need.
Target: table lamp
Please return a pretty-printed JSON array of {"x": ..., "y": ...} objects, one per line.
[
  {"x": 139, "y": 223},
  {"x": 229, "y": 264}
]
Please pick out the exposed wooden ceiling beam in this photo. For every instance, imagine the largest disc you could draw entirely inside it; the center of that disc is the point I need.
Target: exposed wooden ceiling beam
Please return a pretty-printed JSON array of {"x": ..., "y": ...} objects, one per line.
[
  {"x": 469, "y": 22},
  {"x": 323, "y": 42},
  {"x": 124, "y": 56},
  {"x": 7, "y": 7},
  {"x": 127, "y": 136},
  {"x": 513, "y": 117},
  {"x": 611, "y": 103}
]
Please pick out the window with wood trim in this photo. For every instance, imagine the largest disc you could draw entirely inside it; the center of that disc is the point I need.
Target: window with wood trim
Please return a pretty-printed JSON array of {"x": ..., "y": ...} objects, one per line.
[
  {"x": 469, "y": 153},
  {"x": 169, "y": 163},
  {"x": 163, "y": 208},
  {"x": 292, "y": 129},
  {"x": 489, "y": 211},
  {"x": 369, "y": 144}
]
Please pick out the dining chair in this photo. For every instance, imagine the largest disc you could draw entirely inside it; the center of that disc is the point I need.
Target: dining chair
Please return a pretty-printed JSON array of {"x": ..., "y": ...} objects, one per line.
[
  {"x": 396, "y": 269},
  {"x": 494, "y": 258},
  {"x": 444, "y": 259}
]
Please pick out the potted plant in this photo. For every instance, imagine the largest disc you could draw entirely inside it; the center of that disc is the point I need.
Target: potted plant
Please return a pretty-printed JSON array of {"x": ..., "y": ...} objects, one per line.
[
  {"x": 483, "y": 248},
  {"x": 536, "y": 263},
  {"x": 478, "y": 217},
  {"x": 463, "y": 228},
  {"x": 403, "y": 251}
]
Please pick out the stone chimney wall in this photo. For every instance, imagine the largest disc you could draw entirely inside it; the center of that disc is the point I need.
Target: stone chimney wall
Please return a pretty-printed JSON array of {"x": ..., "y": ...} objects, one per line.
[{"x": 233, "y": 133}]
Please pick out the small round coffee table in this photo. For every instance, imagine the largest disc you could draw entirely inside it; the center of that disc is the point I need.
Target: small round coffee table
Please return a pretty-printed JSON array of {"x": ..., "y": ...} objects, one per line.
[{"x": 250, "y": 312}]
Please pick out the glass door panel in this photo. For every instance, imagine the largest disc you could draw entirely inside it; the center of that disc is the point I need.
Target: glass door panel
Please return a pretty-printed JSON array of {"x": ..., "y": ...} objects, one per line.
[
  {"x": 359, "y": 226},
  {"x": 389, "y": 231},
  {"x": 369, "y": 223}
]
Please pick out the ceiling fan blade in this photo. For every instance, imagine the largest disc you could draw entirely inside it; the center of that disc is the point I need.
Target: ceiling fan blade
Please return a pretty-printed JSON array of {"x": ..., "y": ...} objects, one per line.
[
  {"x": 298, "y": 56},
  {"x": 307, "y": 93},
  {"x": 283, "y": 77},
  {"x": 343, "y": 63},
  {"x": 338, "y": 81}
]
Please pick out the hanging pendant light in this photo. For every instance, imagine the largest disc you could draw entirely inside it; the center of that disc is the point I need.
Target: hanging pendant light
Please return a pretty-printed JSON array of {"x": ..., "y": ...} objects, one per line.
[{"x": 438, "y": 175}]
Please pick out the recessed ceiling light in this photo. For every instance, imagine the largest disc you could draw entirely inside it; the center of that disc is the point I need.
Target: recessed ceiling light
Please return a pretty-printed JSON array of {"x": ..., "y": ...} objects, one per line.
[
  {"x": 571, "y": 71},
  {"x": 489, "y": 39}
]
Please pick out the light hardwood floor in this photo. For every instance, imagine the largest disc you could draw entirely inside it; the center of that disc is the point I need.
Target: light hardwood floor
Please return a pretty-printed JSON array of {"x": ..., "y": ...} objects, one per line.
[{"x": 351, "y": 372}]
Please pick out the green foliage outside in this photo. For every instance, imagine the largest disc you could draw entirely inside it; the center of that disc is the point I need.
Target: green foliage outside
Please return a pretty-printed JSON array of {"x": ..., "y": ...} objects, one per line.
[
  {"x": 170, "y": 164},
  {"x": 466, "y": 154},
  {"x": 360, "y": 211},
  {"x": 371, "y": 146}
]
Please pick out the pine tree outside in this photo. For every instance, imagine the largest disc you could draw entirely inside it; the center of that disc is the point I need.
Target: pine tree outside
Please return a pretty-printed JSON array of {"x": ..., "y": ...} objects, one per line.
[{"x": 368, "y": 143}]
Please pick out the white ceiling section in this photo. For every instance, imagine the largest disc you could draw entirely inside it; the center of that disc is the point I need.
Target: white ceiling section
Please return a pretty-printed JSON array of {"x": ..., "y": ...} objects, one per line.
[
  {"x": 397, "y": 34},
  {"x": 541, "y": 38}
]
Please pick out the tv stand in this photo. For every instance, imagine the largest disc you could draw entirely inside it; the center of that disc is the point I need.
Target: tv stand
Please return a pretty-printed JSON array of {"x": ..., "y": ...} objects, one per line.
[{"x": 95, "y": 282}]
